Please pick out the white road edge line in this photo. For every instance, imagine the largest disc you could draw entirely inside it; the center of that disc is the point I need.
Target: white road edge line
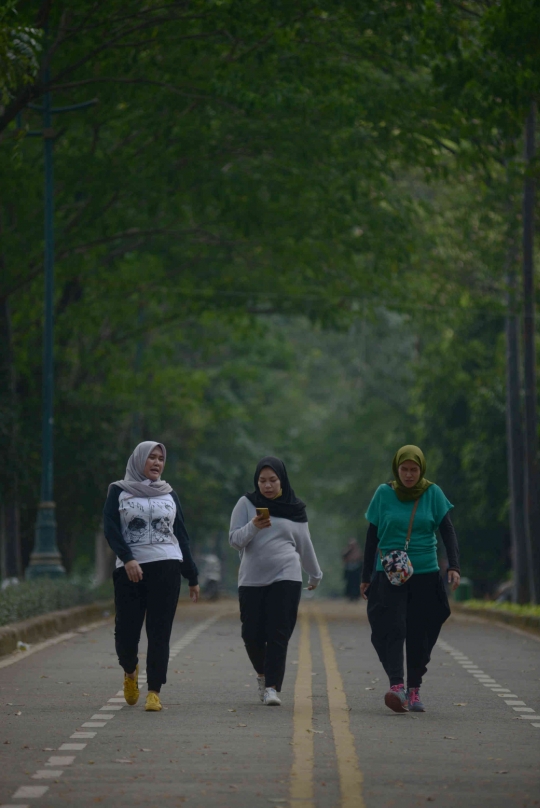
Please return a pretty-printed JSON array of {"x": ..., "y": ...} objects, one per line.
[
  {"x": 18, "y": 656},
  {"x": 487, "y": 681},
  {"x": 33, "y": 792}
]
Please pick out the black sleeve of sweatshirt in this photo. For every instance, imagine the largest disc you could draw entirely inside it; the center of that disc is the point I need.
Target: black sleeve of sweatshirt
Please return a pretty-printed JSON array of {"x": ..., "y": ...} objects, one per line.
[
  {"x": 112, "y": 527},
  {"x": 188, "y": 567},
  {"x": 448, "y": 535},
  {"x": 370, "y": 551}
]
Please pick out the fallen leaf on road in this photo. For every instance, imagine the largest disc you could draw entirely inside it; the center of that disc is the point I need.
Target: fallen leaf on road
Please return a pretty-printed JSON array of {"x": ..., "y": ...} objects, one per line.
[
  {"x": 502, "y": 771},
  {"x": 370, "y": 688},
  {"x": 241, "y": 725},
  {"x": 231, "y": 711},
  {"x": 316, "y": 731},
  {"x": 460, "y": 704},
  {"x": 146, "y": 750},
  {"x": 18, "y": 712},
  {"x": 450, "y": 738},
  {"x": 43, "y": 677},
  {"x": 375, "y": 680},
  {"x": 121, "y": 760}
]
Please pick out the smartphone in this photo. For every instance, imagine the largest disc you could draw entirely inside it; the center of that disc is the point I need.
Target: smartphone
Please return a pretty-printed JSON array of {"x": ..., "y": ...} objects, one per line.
[{"x": 263, "y": 512}]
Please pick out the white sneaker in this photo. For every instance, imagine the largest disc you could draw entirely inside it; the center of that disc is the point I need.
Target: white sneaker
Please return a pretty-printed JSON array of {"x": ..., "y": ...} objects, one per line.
[
  {"x": 271, "y": 698},
  {"x": 261, "y": 684}
]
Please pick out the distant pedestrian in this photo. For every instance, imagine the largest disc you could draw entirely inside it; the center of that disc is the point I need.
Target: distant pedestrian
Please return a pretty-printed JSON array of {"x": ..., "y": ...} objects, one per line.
[
  {"x": 352, "y": 561},
  {"x": 405, "y": 608},
  {"x": 144, "y": 525},
  {"x": 269, "y": 527}
]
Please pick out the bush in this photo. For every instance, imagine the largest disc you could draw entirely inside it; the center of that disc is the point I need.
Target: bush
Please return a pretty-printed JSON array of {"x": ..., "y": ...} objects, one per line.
[
  {"x": 525, "y": 610},
  {"x": 30, "y": 598}
]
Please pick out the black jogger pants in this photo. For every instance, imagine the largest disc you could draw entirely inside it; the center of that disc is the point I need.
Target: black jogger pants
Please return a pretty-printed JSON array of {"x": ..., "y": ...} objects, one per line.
[
  {"x": 155, "y": 597},
  {"x": 268, "y": 615},
  {"x": 412, "y": 613}
]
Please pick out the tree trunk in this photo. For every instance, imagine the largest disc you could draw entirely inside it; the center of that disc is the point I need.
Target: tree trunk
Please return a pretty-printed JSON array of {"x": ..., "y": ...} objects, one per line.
[
  {"x": 104, "y": 559},
  {"x": 529, "y": 348},
  {"x": 515, "y": 448},
  {"x": 9, "y": 493}
]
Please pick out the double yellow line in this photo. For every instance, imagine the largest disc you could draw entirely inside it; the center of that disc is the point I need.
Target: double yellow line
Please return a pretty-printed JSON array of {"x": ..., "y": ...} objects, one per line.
[{"x": 350, "y": 777}]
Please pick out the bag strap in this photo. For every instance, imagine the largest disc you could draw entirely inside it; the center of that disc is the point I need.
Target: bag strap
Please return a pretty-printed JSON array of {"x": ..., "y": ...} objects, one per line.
[
  {"x": 411, "y": 522},
  {"x": 409, "y": 531}
]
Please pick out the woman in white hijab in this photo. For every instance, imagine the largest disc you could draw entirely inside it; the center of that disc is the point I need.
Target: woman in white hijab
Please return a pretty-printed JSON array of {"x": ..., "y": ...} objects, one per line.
[{"x": 144, "y": 525}]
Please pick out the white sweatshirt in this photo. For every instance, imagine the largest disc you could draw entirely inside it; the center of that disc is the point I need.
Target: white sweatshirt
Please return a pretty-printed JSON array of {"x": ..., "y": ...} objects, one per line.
[{"x": 276, "y": 553}]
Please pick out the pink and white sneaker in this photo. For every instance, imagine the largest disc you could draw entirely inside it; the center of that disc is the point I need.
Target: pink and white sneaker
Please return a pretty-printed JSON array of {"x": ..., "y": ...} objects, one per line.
[
  {"x": 413, "y": 697},
  {"x": 396, "y": 699}
]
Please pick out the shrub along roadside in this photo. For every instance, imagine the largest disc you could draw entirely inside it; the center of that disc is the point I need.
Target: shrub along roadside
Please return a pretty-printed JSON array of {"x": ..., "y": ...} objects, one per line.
[
  {"x": 525, "y": 610},
  {"x": 32, "y": 598}
]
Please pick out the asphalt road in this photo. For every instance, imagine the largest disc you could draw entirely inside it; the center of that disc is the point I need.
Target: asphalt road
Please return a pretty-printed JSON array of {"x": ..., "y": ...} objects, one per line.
[{"x": 67, "y": 738}]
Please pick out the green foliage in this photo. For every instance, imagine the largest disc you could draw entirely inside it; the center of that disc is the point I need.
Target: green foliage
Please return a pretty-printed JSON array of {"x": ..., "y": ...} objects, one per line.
[
  {"x": 20, "y": 46},
  {"x": 523, "y": 610},
  {"x": 32, "y": 598},
  {"x": 282, "y": 228}
]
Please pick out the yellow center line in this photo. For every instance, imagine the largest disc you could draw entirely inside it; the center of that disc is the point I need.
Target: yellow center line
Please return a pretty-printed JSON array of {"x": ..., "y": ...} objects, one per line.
[
  {"x": 350, "y": 776},
  {"x": 302, "y": 767}
]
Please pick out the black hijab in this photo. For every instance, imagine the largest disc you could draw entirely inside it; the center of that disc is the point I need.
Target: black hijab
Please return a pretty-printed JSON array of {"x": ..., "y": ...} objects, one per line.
[{"x": 287, "y": 506}]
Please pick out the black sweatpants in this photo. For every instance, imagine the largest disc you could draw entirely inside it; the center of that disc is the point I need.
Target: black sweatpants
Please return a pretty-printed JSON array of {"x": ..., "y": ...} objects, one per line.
[
  {"x": 268, "y": 615},
  {"x": 412, "y": 613},
  {"x": 156, "y": 596}
]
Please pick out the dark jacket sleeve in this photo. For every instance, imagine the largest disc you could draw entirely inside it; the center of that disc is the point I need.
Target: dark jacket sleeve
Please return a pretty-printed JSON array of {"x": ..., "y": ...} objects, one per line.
[
  {"x": 448, "y": 535},
  {"x": 112, "y": 527},
  {"x": 188, "y": 567},
  {"x": 370, "y": 552}
]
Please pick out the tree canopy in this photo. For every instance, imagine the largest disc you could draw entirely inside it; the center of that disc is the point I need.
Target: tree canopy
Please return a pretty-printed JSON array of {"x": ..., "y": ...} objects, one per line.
[{"x": 281, "y": 228}]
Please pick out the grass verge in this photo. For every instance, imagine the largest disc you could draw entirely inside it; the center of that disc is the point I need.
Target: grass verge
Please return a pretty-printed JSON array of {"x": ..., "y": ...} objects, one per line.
[{"x": 522, "y": 610}]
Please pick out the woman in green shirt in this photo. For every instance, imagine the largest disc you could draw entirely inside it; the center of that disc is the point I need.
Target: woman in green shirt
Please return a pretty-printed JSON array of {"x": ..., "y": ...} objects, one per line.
[{"x": 412, "y": 613}]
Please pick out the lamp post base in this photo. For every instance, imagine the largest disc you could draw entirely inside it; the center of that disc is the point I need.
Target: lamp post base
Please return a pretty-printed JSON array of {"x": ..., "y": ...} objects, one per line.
[{"x": 45, "y": 561}]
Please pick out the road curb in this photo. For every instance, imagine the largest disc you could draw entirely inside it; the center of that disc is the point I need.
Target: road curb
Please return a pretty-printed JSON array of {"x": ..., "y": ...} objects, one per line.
[
  {"x": 43, "y": 626},
  {"x": 524, "y": 622}
]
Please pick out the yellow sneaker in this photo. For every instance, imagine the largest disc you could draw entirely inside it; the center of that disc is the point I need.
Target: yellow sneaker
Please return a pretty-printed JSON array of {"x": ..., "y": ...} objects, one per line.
[
  {"x": 131, "y": 688},
  {"x": 153, "y": 704}
]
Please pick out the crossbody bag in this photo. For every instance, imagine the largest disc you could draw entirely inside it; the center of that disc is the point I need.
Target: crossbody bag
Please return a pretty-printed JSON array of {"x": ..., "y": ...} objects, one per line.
[{"x": 397, "y": 564}]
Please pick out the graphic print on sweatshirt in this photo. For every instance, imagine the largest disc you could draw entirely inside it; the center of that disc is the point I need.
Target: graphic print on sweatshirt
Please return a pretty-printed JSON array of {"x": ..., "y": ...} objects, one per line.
[{"x": 148, "y": 521}]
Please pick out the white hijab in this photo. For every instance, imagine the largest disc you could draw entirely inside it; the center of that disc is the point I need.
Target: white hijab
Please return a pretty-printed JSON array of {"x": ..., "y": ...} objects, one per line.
[{"x": 134, "y": 482}]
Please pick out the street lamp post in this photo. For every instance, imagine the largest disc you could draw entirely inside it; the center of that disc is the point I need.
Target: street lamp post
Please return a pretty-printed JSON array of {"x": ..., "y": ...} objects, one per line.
[{"x": 45, "y": 560}]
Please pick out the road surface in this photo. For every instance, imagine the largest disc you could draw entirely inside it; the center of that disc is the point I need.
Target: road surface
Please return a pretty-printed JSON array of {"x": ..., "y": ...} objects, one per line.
[{"x": 68, "y": 739}]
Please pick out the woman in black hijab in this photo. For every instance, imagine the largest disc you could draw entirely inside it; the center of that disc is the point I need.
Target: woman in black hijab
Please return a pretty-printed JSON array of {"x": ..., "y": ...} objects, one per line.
[{"x": 269, "y": 528}]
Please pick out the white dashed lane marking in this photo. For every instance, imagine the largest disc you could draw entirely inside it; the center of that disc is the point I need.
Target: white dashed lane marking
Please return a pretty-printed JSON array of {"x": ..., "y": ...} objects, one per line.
[
  {"x": 98, "y": 720},
  {"x": 24, "y": 792},
  {"x": 511, "y": 699}
]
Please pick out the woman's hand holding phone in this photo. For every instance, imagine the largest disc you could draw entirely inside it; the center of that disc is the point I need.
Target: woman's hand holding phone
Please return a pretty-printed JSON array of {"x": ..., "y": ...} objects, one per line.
[{"x": 262, "y": 519}]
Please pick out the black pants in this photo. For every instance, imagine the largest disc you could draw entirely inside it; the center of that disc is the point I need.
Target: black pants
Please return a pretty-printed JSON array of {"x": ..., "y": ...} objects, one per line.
[
  {"x": 268, "y": 615},
  {"x": 412, "y": 614},
  {"x": 156, "y": 596},
  {"x": 352, "y": 583}
]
